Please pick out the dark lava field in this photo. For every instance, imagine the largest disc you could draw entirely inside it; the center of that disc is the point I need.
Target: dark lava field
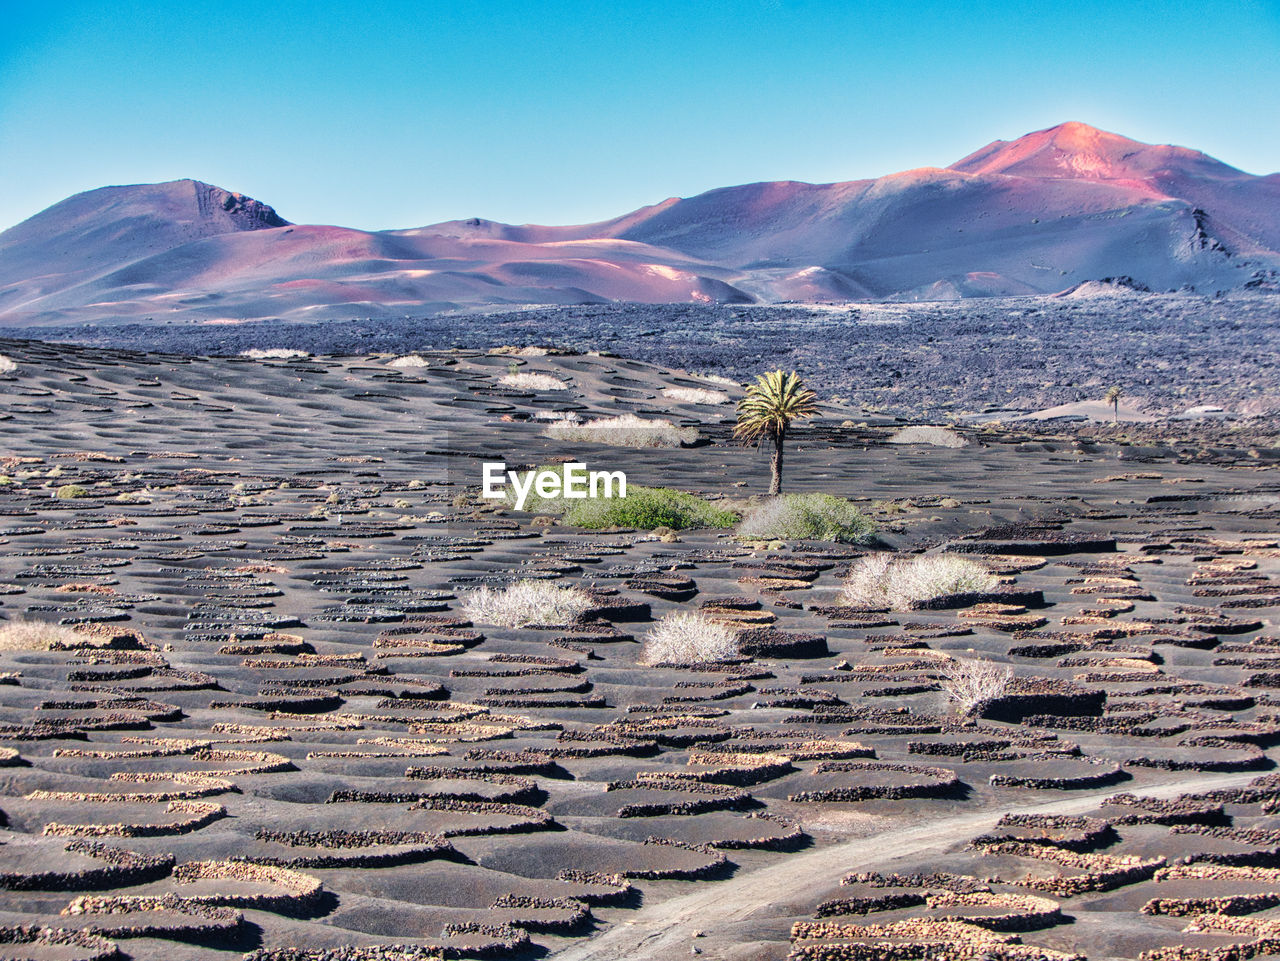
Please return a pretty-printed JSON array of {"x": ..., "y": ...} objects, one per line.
[
  {"x": 270, "y": 730},
  {"x": 1169, "y": 352}
]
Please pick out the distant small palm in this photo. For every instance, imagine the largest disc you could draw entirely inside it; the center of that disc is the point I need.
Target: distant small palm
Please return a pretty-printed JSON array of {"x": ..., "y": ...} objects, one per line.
[
  {"x": 765, "y": 414},
  {"x": 1112, "y": 397}
]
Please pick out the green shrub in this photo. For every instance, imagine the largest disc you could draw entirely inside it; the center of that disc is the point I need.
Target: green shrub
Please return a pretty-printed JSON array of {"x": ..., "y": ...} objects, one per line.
[
  {"x": 71, "y": 491},
  {"x": 535, "y": 503},
  {"x": 807, "y": 517},
  {"x": 644, "y": 508},
  {"x": 648, "y": 507}
]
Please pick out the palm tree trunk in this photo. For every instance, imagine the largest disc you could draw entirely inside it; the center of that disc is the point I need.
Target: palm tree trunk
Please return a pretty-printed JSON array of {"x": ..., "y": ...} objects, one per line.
[
  {"x": 1115, "y": 411},
  {"x": 775, "y": 481}
]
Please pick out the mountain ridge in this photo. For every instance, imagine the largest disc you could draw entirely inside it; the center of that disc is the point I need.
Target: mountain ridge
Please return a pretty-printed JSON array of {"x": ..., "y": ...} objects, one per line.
[{"x": 1037, "y": 215}]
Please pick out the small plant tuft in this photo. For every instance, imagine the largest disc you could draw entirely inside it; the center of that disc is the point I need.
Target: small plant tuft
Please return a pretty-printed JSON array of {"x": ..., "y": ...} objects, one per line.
[
  {"x": 36, "y": 636},
  {"x": 625, "y": 430},
  {"x": 527, "y": 603},
  {"x": 971, "y": 683},
  {"x": 530, "y": 381},
  {"x": 695, "y": 395},
  {"x": 410, "y": 360},
  {"x": 683, "y": 638},
  {"x": 932, "y": 435},
  {"x": 719, "y": 379},
  {"x": 809, "y": 517},
  {"x": 274, "y": 353},
  {"x": 883, "y": 580}
]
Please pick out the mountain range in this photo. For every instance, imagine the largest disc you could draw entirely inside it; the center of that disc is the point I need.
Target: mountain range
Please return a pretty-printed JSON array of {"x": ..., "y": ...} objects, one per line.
[{"x": 1038, "y": 215}]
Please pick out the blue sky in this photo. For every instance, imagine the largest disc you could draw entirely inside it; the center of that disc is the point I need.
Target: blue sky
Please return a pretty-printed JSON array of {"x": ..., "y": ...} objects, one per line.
[{"x": 390, "y": 114}]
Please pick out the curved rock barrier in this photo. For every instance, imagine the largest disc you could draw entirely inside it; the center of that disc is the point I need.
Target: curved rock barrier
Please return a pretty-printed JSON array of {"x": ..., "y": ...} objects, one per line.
[
  {"x": 712, "y": 867},
  {"x": 152, "y": 916},
  {"x": 1264, "y": 932},
  {"x": 1031, "y": 698},
  {"x": 38, "y": 941},
  {"x": 495, "y": 940},
  {"x": 604, "y": 889},
  {"x": 1099, "y": 872},
  {"x": 524, "y": 817},
  {"x": 241, "y": 884},
  {"x": 119, "y": 868},
  {"x": 1081, "y": 773},
  {"x": 737, "y": 770},
  {"x": 1244, "y": 903},
  {"x": 562, "y": 916},
  {"x": 1018, "y": 598},
  {"x": 1023, "y": 912},
  {"x": 935, "y": 782},
  {"x": 1070, "y": 833},
  {"x": 1039, "y": 547},
  {"x": 375, "y": 952},
  {"x": 1182, "y": 810},
  {"x": 198, "y": 814},
  {"x": 911, "y": 940},
  {"x": 693, "y": 797},
  {"x": 772, "y": 642},
  {"x": 1233, "y": 757}
]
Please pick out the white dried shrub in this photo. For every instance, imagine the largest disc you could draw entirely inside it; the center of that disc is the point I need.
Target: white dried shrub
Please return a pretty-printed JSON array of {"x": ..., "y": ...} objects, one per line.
[
  {"x": 273, "y": 353},
  {"x": 527, "y": 603},
  {"x": 409, "y": 360},
  {"x": 36, "y": 636},
  {"x": 625, "y": 430},
  {"x": 7, "y": 366},
  {"x": 883, "y": 580},
  {"x": 529, "y": 381},
  {"x": 932, "y": 435},
  {"x": 717, "y": 379},
  {"x": 695, "y": 395},
  {"x": 680, "y": 638},
  {"x": 558, "y": 416},
  {"x": 971, "y": 683},
  {"x": 509, "y": 350}
]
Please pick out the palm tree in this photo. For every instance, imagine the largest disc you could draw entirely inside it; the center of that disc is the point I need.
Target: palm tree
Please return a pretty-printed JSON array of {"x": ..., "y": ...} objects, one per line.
[
  {"x": 771, "y": 404},
  {"x": 1112, "y": 397}
]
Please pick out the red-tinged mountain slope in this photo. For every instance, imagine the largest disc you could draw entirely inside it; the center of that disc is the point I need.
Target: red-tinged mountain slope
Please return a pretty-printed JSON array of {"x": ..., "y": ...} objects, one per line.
[{"x": 1036, "y": 215}]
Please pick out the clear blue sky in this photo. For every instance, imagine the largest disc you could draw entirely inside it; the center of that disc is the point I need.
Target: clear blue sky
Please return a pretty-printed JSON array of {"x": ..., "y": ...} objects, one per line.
[{"x": 389, "y": 114}]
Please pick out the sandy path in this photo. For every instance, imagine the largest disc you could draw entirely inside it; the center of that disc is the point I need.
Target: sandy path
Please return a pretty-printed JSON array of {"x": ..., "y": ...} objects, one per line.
[{"x": 662, "y": 930}]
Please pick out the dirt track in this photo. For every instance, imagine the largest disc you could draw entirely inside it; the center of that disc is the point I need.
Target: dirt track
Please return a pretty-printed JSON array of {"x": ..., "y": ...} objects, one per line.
[{"x": 663, "y": 930}]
